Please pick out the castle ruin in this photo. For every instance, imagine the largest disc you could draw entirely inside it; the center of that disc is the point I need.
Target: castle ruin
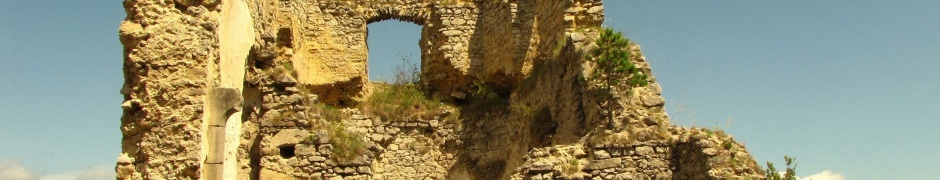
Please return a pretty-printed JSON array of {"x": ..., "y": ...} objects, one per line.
[{"x": 222, "y": 89}]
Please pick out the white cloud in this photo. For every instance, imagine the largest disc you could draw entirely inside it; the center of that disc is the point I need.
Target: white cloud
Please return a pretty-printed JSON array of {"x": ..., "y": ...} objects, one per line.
[
  {"x": 58, "y": 177},
  {"x": 825, "y": 175},
  {"x": 93, "y": 173},
  {"x": 100, "y": 172},
  {"x": 14, "y": 170}
]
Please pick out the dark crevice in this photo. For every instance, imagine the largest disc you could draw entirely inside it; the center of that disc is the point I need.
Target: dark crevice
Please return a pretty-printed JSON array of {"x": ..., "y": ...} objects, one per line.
[
  {"x": 285, "y": 37},
  {"x": 542, "y": 127},
  {"x": 287, "y": 151},
  {"x": 254, "y": 155},
  {"x": 252, "y": 98},
  {"x": 181, "y": 7}
]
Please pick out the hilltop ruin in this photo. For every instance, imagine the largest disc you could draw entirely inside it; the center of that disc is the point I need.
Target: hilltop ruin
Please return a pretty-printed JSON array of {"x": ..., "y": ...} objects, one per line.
[{"x": 235, "y": 89}]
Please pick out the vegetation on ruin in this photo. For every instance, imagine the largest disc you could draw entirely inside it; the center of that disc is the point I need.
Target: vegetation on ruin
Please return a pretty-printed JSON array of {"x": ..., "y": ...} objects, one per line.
[
  {"x": 790, "y": 173},
  {"x": 285, "y": 67},
  {"x": 614, "y": 67},
  {"x": 571, "y": 167},
  {"x": 346, "y": 145},
  {"x": 404, "y": 99}
]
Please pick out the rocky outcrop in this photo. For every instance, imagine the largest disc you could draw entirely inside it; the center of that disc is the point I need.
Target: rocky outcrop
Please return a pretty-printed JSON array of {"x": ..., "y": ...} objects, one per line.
[{"x": 246, "y": 89}]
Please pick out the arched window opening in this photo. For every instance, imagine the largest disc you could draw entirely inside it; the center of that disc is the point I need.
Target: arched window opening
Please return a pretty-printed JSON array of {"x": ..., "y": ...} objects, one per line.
[{"x": 392, "y": 44}]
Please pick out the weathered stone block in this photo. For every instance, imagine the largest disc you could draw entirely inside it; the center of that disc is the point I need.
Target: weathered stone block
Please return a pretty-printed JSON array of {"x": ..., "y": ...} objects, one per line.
[
  {"x": 644, "y": 150},
  {"x": 289, "y": 136},
  {"x": 213, "y": 171},
  {"x": 216, "y": 149},
  {"x": 540, "y": 167},
  {"x": 305, "y": 150},
  {"x": 602, "y": 164},
  {"x": 601, "y": 154}
]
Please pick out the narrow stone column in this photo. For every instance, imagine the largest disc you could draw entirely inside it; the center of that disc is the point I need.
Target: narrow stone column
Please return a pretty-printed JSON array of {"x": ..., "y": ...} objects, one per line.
[{"x": 223, "y": 102}]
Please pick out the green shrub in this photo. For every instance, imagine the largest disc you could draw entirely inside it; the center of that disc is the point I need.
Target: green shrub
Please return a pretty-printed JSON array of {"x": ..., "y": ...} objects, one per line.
[
  {"x": 728, "y": 145},
  {"x": 346, "y": 146},
  {"x": 772, "y": 173},
  {"x": 479, "y": 89}
]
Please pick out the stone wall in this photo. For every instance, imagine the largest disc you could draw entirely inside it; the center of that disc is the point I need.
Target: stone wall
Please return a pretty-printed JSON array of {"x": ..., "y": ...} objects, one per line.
[
  {"x": 171, "y": 61},
  {"x": 642, "y": 144},
  {"x": 461, "y": 41},
  {"x": 244, "y": 89},
  {"x": 411, "y": 149},
  {"x": 694, "y": 154}
]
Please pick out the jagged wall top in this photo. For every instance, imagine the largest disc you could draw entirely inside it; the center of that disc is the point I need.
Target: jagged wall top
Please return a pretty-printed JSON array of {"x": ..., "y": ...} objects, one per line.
[
  {"x": 325, "y": 41},
  {"x": 173, "y": 56}
]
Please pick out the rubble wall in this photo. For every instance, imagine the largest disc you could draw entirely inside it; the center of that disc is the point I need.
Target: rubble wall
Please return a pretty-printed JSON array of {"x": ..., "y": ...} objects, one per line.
[{"x": 246, "y": 89}]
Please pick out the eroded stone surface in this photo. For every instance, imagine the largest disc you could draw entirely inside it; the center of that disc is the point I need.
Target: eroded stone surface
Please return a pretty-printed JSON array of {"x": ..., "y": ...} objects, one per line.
[{"x": 287, "y": 58}]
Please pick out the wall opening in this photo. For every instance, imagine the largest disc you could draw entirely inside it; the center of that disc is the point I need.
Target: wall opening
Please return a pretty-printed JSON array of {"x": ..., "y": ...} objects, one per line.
[
  {"x": 285, "y": 37},
  {"x": 390, "y": 41},
  {"x": 288, "y": 151}
]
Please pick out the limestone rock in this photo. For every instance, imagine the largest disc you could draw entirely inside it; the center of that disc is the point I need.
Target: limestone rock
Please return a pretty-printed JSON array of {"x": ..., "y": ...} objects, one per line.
[
  {"x": 644, "y": 150},
  {"x": 651, "y": 101},
  {"x": 285, "y": 80},
  {"x": 595, "y": 9},
  {"x": 130, "y": 105},
  {"x": 123, "y": 159},
  {"x": 540, "y": 167},
  {"x": 579, "y": 153},
  {"x": 603, "y": 164},
  {"x": 601, "y": 154},
  {"x": 248, "y": 83},
  {"x": 289, "y": 136}
]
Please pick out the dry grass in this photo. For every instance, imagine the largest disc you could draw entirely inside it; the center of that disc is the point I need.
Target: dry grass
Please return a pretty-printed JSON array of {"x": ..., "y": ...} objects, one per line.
[
  {"x": 401, "y": 102},
  {"x": 404, "y": 99},
  {"x": 572, "y": 167},
  {"x": 346, "y": 146},
  {"x": 326, "y": 112}
]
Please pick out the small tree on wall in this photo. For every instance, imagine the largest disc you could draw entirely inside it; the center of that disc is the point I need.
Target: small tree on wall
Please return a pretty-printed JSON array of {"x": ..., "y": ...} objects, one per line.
[
  {"x": 790, "y": 174},
  {"x": 613, "y": 66}
]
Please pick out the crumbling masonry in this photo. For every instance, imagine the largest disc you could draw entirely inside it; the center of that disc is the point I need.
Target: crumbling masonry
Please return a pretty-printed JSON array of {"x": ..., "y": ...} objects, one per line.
[{"x": 217, "y": 89}]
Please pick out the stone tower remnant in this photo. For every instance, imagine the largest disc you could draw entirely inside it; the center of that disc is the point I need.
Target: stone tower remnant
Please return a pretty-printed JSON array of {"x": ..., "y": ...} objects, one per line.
[{"x": 219, "y": 89}]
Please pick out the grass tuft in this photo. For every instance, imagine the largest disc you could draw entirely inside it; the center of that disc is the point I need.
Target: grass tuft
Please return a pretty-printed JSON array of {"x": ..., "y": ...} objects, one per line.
[
  {"x": 346, "y": 146},
  {"x": 404, "y": 99},
  {"x": 572, "y": 167},
  {"x": 401, "y": 101}
]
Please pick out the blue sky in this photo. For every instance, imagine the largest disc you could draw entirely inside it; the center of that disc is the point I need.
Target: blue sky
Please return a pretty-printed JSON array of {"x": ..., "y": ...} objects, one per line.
[{"x": 845, "y": 86}]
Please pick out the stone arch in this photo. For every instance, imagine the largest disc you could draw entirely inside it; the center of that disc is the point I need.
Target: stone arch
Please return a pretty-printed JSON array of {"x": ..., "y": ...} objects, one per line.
[
  {"x": 439, "y": 53},
  {"x": 330, "y": 52},
  {"x": 387, "y": 13}
]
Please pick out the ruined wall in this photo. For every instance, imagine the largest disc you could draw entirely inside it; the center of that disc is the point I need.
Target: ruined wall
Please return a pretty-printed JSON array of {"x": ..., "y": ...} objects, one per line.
[
  {"x": 237, "y": 89},
  {"x": 694, "y": 154},
  {"x": 170, "y": 62},
  {"x": 642, "y": 144},
  {"x": 461, "y": 41},
  {"x": 184, "y": 73}
]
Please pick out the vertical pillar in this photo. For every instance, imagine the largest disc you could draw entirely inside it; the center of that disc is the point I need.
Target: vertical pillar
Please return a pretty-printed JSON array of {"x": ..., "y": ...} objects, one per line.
[{"x": 223, "y": 102}]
